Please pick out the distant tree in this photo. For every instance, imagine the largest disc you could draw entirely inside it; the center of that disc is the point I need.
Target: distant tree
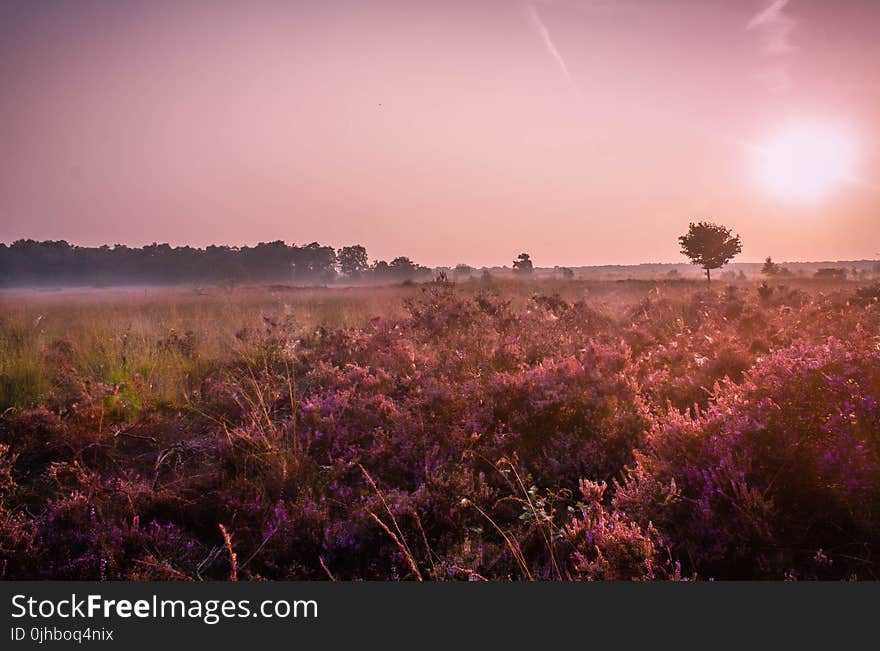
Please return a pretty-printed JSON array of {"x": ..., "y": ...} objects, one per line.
[
  {"x": 565, "y": 272},
  {"x": 463, "y": 271},
  {"x": 403, "y": 266},
  {"x": 314, "y": 262},
  {"x": 352, "y": 261},
  {"x": 523, "y": 264},
  {"x": 400, "y": 268},
  {"x": 710, "y": 246},
  {"x": 770, "y": 268}
]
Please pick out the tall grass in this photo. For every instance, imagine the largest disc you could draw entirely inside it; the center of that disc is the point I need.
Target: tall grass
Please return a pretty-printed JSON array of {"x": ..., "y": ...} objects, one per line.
[{"x": 160, "y": 342}]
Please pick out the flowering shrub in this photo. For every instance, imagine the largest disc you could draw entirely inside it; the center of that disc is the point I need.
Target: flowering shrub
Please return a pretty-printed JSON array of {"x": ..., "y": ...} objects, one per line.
[
  {"x": 783, "y": 464},
  {"x": 716, "y": 435},
  {"x": 609, "y": 546}
]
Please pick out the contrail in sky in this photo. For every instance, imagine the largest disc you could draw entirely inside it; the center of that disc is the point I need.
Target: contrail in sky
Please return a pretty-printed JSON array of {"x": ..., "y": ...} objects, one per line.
[
  {"x": 542, "y": 31},
  {"x": 775, "y": 29}
]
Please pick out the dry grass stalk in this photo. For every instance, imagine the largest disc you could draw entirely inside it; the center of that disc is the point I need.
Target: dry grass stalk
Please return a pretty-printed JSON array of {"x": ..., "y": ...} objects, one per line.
[
  {"x": 233, "y": 559},
  {"x": 399, "y": 541}
]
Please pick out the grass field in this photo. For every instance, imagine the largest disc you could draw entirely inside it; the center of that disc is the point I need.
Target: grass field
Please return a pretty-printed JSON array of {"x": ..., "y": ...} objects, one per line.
[
  {"x": 559, "y": 429},
  {"x": 165, "y": 339}
]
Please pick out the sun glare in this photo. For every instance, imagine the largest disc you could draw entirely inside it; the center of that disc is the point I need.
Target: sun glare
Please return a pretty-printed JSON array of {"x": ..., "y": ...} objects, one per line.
[{"x": 806, "y": 162}]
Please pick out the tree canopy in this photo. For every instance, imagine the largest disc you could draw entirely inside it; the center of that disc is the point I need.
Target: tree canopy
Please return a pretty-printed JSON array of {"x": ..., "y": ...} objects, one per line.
[
  {"x": 710, "y": 246},
  {"x": 523, "y": 263}
]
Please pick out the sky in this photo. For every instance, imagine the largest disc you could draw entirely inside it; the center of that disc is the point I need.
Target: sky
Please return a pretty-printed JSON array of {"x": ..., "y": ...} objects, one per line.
[{"x": 584, "y": 132}]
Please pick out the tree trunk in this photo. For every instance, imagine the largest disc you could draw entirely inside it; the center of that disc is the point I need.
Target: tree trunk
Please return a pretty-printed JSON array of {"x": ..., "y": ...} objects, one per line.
[{"x": 708, "y": 277}]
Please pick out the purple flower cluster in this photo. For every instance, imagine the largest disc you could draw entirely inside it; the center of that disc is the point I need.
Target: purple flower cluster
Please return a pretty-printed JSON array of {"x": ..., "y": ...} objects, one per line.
[{"x": 728, "y": 435}]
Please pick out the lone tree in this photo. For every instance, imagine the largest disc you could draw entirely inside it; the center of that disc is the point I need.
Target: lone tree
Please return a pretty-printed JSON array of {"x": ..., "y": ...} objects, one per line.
[
  {"x": 770, "y": 268},
  {"x": 523, "y": 264},
  {"x": 709, "y": 245}
]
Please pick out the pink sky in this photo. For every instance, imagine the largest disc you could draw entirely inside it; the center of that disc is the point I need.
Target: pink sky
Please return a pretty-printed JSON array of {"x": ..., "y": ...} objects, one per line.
[{"x": 584, "y": 132}]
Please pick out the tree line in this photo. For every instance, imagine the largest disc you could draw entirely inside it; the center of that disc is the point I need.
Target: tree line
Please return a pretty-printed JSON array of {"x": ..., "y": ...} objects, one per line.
[{"x": 34, "y": 263}]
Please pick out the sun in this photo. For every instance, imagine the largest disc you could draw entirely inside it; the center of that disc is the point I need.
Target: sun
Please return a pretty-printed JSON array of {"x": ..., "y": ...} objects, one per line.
[{"x": 806, "y": 161}]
